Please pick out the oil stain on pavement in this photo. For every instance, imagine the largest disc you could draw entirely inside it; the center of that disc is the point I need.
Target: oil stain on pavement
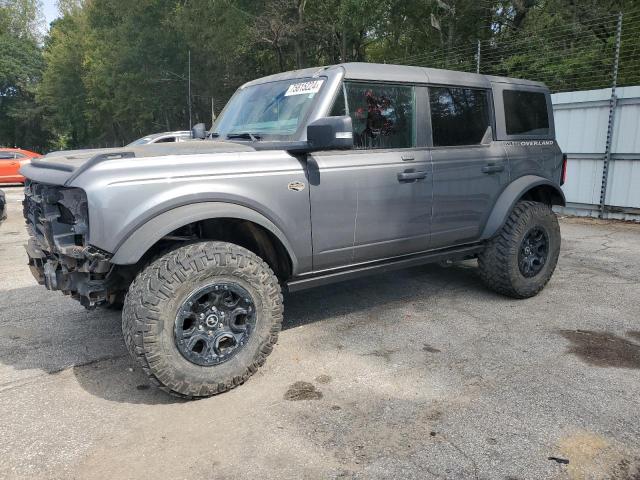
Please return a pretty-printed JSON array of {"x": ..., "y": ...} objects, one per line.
[
  {"x": 302, "y": 391},
  {"x": 603, "y": 349}
]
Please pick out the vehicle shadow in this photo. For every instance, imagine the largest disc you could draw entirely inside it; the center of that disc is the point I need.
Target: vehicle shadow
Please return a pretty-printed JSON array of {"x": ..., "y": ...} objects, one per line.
[
  {"x": 412, "y": 284},
  {"x": 89, "y": 343},
  {"x": 45, "y": 333}
]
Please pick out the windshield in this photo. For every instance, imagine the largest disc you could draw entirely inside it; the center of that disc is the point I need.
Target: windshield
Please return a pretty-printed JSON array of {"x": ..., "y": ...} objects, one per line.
[{"x": 275, "y": 109}]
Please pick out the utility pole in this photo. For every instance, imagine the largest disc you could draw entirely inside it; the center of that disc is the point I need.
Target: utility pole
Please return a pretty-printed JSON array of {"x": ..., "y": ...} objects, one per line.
[
  {"x": 613, "y": 102},
  {"x": 189, "y": 93},
  {"x": 478, "y": 58},
  {"x": 213, "y": 113}
]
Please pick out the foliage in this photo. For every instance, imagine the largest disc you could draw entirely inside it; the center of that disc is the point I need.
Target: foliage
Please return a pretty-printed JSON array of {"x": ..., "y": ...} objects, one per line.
[
  {"x": 21, "y": 65},
  {"x": 112, "y": 70}
]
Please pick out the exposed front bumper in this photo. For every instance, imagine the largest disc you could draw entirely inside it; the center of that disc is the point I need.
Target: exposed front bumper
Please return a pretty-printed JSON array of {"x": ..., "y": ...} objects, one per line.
[{"x": 59, "y": 256}]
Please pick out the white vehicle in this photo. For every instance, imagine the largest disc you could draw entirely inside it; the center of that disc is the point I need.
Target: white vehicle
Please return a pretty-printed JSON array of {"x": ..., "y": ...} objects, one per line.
[{"x": 163, "y": 137}]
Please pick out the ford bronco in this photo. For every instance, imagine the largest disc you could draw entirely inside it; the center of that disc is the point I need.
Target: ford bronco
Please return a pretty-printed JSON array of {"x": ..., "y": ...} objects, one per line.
[{"x": 306, "y": 177}]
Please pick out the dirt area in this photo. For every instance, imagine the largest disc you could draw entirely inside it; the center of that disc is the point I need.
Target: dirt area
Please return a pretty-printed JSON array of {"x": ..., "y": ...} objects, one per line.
[{"x": 421, "y": 373}]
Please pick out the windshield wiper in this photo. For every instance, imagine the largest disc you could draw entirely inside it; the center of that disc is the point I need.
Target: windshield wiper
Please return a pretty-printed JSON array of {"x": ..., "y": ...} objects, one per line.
[{"x": 254, "y": 137}]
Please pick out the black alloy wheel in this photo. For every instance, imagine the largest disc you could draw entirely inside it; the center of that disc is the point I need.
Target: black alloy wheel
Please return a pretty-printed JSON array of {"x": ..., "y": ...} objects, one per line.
[
  {"x": 214, "y": 323},
  {"x": 533, "y": 253}
]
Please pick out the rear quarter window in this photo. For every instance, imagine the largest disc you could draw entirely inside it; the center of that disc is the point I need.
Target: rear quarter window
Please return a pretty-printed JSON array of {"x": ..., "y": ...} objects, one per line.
[{"x": 525, "y": 113}]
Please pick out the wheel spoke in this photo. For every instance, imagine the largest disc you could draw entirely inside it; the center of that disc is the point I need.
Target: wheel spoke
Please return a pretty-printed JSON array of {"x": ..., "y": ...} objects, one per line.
[{"x": 189, "y": 333}]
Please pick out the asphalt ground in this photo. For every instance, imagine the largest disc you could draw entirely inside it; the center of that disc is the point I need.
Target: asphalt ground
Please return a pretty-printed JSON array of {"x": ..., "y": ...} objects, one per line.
[{"x": 421, "y": 373}]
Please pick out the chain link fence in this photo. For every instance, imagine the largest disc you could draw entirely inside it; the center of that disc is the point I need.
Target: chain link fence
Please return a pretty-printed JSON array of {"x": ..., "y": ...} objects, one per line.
[
  {"x": 579, "y": 56},
  {"x": 603, "y": 53}
]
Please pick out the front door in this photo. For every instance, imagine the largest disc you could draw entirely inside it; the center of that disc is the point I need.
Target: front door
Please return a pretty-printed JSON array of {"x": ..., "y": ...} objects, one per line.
[
  {"x": 373, "y": 202},
  {"x": 470, "y": 170},
  {"x": 9, "y": 166}
]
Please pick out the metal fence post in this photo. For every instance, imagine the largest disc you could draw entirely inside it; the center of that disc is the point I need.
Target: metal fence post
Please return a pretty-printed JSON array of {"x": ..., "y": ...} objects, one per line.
[
  {"x": 612, "y": 113},
  {"x": 478, "y": 58}
]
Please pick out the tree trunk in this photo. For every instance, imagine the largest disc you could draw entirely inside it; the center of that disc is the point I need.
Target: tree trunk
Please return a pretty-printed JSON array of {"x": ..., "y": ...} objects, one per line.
[
  {"x": 298, "y": 38},
  {"x": 522, "y": 7},
  {"x": 343, "y": 45}
]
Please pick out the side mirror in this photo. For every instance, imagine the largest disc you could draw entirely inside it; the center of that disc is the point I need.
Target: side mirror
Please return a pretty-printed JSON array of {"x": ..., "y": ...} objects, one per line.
[
  {"x": 330, "y": 133},
  {"x": 199, "y": 131}
]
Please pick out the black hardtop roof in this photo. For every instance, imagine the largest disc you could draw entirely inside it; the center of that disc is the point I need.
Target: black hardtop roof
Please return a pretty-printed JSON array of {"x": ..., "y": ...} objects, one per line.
[{"x": 400, "y": 73}]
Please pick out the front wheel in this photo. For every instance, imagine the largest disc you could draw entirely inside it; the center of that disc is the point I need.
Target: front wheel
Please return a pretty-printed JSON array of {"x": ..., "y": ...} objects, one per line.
[
  {"x": 201, "y": 319},
  {"x": 520, "y": 259}
]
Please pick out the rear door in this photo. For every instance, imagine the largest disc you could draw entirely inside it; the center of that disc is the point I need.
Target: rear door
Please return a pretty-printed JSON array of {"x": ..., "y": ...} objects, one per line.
[
  {"x": 373, "y": 202},
  {"x": 470, "y": 170}
]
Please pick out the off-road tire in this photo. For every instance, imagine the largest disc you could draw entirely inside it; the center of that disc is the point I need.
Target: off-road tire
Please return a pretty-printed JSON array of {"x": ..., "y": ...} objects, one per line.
[
  {"x": 498, "y": 263},
  {"x": 157, "y": 293}
]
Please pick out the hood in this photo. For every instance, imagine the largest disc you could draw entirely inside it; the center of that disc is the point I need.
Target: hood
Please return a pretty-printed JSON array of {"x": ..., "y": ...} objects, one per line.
[{"x": 60, "y": 168}]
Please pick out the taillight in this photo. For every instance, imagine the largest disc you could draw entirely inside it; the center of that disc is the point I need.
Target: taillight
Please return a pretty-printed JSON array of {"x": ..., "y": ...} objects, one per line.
[{"x": 563, "y": 175}]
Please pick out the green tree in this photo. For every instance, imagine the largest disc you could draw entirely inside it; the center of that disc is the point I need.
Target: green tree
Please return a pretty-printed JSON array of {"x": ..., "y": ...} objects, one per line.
[
  {"x": 21, "y": 64},
  {"x": 112, "y": 70},
  {"x": 62, "y": 92}
]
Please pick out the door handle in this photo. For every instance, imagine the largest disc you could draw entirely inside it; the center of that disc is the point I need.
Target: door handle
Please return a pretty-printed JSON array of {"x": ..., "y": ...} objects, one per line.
[
  {"x": 490, "y": 168},
  {"x": 411, "y": 176}
]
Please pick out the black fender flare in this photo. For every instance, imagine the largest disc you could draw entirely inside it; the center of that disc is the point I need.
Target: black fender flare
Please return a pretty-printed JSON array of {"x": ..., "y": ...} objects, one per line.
[
  {"x": 145, "y": 236},
  {"x": 510, "y": 196}
]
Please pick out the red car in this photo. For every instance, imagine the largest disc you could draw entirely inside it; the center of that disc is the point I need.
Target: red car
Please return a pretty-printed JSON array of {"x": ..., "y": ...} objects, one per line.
[{"x": 11, "y": 159}]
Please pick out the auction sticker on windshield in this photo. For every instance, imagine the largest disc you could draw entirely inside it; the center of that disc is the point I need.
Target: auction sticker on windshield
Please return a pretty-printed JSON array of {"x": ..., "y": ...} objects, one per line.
[{"x": 304, "y": 88}]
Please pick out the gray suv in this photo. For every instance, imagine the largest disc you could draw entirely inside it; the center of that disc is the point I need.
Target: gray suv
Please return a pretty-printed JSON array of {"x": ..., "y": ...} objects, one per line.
[{"x": 306, "y": 177}]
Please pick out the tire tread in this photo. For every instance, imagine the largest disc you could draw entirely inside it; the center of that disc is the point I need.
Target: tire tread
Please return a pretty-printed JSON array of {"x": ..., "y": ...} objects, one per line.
[
  {"x": 495, "y": 259},
  {"x": 153, "y": 286}
]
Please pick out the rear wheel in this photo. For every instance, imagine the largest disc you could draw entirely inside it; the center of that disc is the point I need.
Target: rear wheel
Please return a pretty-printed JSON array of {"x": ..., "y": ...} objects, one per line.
[
  {"x": 520, "y": 259},
  {"x": 202, "y": 319}
]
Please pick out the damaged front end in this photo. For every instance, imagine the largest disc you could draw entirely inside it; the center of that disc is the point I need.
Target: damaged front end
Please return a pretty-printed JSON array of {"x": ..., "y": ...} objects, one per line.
[{"x": 59, "y": 254}]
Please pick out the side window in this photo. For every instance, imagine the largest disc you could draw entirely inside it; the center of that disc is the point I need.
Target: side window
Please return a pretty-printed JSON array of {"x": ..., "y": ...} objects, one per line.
[
  {"x": 7, "y": 155},
  {"x": 166, "y": 140},
  {"x": 459, "y": 116},
  {"x": 383, "y": 115},
  {"x": 525, "y": 113}
]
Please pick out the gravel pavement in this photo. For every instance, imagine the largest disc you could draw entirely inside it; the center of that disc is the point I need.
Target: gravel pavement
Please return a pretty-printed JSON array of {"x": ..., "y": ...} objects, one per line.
[{"x": 421, "y": 373}]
